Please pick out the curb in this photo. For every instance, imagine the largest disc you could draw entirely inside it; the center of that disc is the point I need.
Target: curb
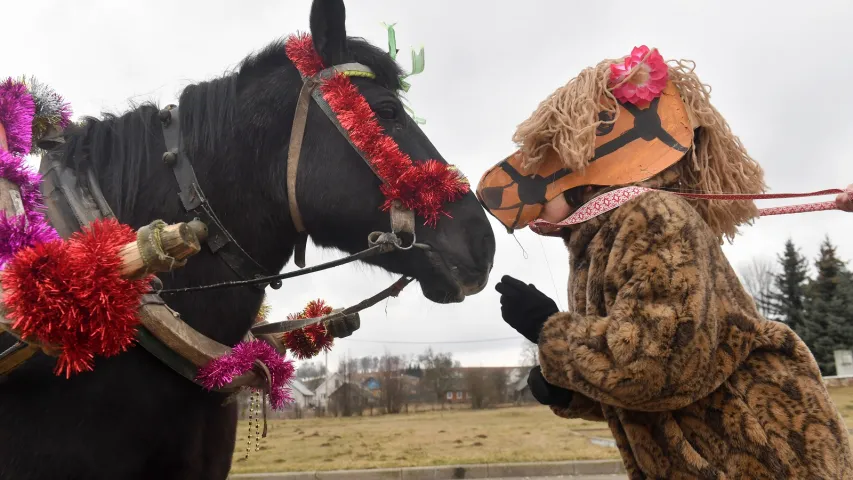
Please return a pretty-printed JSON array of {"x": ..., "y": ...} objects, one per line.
[{"x": 485, "y": 471}]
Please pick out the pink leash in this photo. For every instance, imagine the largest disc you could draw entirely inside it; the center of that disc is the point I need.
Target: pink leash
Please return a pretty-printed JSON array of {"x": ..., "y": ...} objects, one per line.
[{"x": 615, "y": 198}]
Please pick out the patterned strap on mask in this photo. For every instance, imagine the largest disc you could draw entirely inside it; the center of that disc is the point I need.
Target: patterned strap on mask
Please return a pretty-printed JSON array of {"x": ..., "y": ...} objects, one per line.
[{"x": 615, "y": 198}]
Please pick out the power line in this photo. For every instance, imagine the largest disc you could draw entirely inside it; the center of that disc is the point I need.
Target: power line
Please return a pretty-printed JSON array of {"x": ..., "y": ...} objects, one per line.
[{"x": 438, "y": 342}]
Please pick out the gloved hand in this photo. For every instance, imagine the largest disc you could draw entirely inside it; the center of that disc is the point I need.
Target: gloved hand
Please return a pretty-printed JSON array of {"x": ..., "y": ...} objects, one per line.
[
  {"x": 344, "y": 327},
  {"x": 524, "y": 307},
  {"x": 544, "y": 392}
]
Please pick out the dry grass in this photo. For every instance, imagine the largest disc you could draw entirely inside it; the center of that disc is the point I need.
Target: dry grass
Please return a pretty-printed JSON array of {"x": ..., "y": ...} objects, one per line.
[
  {"x": 519, "y": 434},
  {"x": 431, "y": 438},
  {"x": 843, "y": 398}
]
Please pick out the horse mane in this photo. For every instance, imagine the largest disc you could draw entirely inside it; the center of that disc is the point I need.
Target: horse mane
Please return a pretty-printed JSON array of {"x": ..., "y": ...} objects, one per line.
[{"x": 125, "y": 150}]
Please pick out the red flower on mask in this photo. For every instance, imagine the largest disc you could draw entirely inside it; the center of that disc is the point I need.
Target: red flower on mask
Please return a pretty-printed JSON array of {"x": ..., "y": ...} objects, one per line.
[{"x": 646, "y": 74}]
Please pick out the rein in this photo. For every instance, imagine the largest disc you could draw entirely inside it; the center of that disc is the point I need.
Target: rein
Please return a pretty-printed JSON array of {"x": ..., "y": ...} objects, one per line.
[{"x": 615, "y": 198}]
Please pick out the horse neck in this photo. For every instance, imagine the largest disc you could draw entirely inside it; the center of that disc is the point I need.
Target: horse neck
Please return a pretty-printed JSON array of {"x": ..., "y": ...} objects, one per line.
[{"x": 226, "y": 315}]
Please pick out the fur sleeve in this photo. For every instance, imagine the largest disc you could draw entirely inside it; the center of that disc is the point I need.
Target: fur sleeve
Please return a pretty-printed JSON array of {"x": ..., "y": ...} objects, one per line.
[{"x": 665, "y": 341}]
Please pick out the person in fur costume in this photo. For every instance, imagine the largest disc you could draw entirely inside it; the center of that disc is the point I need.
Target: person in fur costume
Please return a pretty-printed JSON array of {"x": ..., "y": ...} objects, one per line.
[{"x": 660, "y": 339}]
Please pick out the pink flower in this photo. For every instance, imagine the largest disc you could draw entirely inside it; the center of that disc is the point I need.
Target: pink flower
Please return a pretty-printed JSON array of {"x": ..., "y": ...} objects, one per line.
[{"x": 644, "y": 85}]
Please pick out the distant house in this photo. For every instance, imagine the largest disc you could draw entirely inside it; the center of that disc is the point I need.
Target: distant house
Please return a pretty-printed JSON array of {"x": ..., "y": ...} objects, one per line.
[
  {"x": 371, "y": 383},
  {"x": 457, "y": 392},
  {"x": 350, "y": 399},
  {"x": 325, "y": 388},
  {"x": 466, "y": 378},
  {"x": 312, "y": 383},
  {"x": 303, "y": 397}
]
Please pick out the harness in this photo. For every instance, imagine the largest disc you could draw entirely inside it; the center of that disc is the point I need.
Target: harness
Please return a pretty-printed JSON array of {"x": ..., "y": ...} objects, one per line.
[{"x": 74, "y": 199}]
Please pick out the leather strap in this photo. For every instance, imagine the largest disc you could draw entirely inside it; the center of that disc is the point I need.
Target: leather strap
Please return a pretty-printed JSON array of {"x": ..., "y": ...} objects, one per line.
[
  {"x": 300, "y": 117},
  {"x": 72, "y": 204},
  {"x": 219, "y": 240},
  {"x": 297, "y": 133},
  {"x": 16, "y": 355}
]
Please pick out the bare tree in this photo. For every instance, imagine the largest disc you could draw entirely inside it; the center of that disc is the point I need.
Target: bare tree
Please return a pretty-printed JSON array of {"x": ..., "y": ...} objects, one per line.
[
  {"x": 498, "y": 383},
  {"x": 438, "y": 373},
  {"x": 365, "y": 364},
  {"x": 392, "y": 392},
  {"x": 311, "y": 370},
  {"x": 352, "y": 366},
  {"x": 529, "y": 354},
  {"x": 477, "y": 384},
  {"x": 758, "y": 279},
  {"x": 343, "y": 404}
]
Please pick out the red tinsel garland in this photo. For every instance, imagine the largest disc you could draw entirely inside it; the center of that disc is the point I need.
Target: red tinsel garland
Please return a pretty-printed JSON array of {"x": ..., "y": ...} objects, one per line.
[
  {"x": 308, "y": 341},
  {"x": 71, "y": 295},
  {"x": 423, "y": 187}
]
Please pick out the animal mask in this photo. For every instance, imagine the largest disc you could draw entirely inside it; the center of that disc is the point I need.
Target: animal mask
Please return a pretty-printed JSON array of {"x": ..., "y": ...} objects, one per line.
[{"x": 643, "y": 142}]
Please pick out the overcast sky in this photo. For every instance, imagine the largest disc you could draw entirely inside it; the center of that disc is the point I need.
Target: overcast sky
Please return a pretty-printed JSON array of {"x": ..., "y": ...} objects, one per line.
[{"x": 781, "y": 74}]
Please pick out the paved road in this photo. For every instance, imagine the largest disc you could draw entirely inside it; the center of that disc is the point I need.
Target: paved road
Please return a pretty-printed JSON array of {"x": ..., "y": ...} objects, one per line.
[{"x": 573, "y": 477}]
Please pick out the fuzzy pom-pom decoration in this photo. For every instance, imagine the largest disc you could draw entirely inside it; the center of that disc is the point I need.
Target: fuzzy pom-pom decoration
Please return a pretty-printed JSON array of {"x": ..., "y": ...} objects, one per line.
[
  {"x": 310, "y": 340},
  {"x": 222, "y": 370},
  {"x": 51, "y": 110},
  {"x": 71, "y": 295}
]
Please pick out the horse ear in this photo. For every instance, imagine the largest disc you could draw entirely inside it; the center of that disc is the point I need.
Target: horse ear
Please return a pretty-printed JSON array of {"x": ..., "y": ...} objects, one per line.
[{"x": 328, "y": 30}]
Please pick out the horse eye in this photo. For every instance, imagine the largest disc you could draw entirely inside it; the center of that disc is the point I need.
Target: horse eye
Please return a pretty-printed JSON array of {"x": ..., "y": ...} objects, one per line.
[{"x": 387, "y": 113}]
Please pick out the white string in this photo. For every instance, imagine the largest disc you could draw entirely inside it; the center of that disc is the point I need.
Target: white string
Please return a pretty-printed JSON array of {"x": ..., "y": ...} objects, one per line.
[{"x": 550, "y": 274}]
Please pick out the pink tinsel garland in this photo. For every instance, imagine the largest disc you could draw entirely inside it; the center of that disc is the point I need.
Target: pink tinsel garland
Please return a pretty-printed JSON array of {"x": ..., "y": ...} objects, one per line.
[
  {"x": 17, "y": 111},
  {"x": 221, "y": 371}
]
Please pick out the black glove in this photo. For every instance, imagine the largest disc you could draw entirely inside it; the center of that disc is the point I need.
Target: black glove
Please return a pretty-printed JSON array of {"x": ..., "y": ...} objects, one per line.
[
  {"x": 344, "y": 327},
  {"x": 524, "y": 307},
  {"x": 544, "y": 392}
]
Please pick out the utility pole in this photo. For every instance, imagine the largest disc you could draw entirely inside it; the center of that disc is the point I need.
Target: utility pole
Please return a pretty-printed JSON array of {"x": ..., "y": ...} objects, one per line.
[{"x": 326, "y": 406}]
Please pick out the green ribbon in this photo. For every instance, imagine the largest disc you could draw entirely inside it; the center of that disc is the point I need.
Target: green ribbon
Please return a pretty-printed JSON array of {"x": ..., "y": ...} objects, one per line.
[{"x": 417, "y": 66}]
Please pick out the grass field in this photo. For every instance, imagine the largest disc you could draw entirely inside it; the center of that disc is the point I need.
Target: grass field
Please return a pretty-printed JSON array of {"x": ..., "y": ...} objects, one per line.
[{"x": 518, "y": 434}]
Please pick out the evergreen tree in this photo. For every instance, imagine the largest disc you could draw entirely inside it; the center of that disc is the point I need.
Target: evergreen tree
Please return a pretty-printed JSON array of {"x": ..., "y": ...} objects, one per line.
[
  {"x": 786, "y": 301},
  {"x": 829, "y": 309}
]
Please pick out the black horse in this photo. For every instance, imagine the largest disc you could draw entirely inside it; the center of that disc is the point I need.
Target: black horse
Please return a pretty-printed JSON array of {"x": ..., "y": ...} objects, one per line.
[{"x": 133, "y": 417}]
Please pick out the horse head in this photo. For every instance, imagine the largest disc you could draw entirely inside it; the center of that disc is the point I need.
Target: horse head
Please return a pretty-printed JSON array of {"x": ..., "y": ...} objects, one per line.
[{"x": 337, "y": 193}]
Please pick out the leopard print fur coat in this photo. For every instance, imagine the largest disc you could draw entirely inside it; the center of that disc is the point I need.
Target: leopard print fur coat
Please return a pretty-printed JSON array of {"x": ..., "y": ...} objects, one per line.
[{"x": 662, "y": 342}]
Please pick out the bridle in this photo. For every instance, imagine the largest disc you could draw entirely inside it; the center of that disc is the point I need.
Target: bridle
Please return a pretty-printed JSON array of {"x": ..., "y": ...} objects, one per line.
[
  {"x": 220, "y": 241},
  {"x": 223, "y": 244},
  {"x": 402, "y": 220}
]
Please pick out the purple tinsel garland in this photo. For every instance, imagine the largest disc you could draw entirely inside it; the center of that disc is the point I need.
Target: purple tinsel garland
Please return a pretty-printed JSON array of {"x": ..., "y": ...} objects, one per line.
[
  {"x": 222, "y": 370},
  {"x": 17, "y": 111},
  {"x": 15, "y": 169},
  {"x": 17, "y": 232}
]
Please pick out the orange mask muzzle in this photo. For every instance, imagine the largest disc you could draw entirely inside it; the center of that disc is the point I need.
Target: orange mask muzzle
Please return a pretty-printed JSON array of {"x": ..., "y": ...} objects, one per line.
[{"x": 642, "y": 142}]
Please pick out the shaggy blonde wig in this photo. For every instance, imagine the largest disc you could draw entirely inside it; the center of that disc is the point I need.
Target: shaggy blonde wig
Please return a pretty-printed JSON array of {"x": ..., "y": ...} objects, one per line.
[{"x": 718, "y": 162}]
